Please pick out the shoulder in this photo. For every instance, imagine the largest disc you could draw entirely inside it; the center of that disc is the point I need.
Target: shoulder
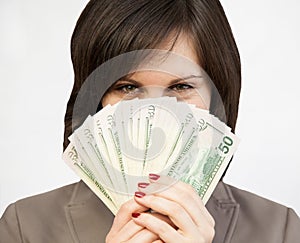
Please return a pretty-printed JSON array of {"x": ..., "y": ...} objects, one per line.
[
  {"x": 31, "y": 217},
  {"x": 48, "y": 206},
  {"x": 56, "y": 198},
  {"x": 265, "y": 217},
  {"x": 53, "y": 199},
  {"x": 252, "y": 202}
]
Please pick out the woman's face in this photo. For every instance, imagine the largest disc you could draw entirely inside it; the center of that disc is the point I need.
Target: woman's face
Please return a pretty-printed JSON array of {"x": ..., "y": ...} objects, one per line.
[{"x": 153, "y": 84}]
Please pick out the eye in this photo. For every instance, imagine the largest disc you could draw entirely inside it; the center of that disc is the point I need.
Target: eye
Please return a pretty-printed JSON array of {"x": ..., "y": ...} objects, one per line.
[
  {"x": 181, "y": 87},
  {"x": 127, "y": 88}
]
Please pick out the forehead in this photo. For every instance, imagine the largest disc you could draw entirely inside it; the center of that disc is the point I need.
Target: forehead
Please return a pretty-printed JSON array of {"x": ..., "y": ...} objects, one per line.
[
  {"x": 152, "y": 78},
  {"x": 183, "y": 46},
  {"x": 170, "y": 67}
]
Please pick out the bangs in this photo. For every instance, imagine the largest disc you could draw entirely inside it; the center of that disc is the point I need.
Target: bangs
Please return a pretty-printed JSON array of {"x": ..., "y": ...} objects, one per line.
[{"x": 125, "y": 26}]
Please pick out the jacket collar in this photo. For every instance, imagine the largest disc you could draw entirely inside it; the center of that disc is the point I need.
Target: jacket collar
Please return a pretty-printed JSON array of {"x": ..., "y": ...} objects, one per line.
[
  {"x": 224, "y": 209},
  {"x": 89, "y": 219}
]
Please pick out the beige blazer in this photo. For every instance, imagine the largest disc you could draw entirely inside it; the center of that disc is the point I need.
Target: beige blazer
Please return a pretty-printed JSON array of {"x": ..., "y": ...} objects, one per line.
[{"x": 74, "y": 214}]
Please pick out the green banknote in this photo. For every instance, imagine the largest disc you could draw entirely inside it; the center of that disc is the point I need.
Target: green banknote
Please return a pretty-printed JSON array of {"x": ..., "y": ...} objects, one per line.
[{"x": 120, "y": 145}]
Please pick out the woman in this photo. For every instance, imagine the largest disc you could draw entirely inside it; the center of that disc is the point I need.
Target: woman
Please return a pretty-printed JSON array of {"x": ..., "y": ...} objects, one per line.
[{"x": 199, "y": 31}]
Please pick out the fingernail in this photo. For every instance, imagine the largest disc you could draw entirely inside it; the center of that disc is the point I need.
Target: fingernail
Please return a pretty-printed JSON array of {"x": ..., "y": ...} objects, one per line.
[
  {"x": 154, "y": 177},
  {"x": 135, "y": 215},
  {"x": 143, "y": 184},
  {"x": 139, "y": 194}
]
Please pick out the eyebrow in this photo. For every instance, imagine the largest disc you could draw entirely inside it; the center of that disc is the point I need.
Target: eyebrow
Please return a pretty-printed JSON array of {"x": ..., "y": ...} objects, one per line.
[{"x": 173, "y": 81}]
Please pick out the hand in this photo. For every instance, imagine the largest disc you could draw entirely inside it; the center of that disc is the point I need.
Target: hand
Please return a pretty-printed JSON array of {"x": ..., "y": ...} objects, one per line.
[
  {"x": 125, "y": 230},
  {"x": 181, "y": 204}
]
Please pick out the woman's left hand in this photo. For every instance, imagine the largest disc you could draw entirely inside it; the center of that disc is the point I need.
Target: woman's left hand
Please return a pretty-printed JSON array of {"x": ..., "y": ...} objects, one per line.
[{"x": 181, "y": 204}]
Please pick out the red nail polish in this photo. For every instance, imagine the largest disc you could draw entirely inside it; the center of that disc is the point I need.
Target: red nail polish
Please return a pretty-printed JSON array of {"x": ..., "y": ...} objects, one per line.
[
  {"x": 139, "y": 194},
  {"x": 135, "y": 215},
  {"x": 154, "y": 177},
  {"x": 143, "y": 184}
]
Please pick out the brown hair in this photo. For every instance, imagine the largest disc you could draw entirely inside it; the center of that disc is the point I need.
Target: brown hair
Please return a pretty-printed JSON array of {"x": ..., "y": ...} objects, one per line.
[{"x": 108, "y": 28}]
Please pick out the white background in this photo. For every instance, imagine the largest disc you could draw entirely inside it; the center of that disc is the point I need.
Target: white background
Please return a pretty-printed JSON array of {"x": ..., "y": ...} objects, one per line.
[{"x": 36, "y": 79}]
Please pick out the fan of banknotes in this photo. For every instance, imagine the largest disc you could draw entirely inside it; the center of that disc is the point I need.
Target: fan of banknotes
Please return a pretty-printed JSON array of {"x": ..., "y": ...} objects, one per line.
[{"x": 120, "y": 145}]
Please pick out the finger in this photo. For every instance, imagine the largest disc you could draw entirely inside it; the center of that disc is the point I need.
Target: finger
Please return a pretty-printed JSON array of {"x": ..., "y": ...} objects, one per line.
[
  {"x": 164, "y": 231},
  {"x": 164, "y": 218},
  {"x": 126, "y": 232},
  {"x": 144, "y": 236},
  {"x": 133, "y": 232},
  {"x": 162, "y": 183},
  {"x": 172, "y": 209},
  {"x": 123, "y": 216},
  {"x": 167, "y": 180},
  {"x": 180, "y": 186},
  {"x": 180, "y": 192},
  {"x": 186, "y": 193}
]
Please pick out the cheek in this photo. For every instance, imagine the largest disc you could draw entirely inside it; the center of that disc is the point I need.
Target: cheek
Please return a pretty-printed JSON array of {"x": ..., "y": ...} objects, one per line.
[
  {"x": 203, "y": 98},
  {"x": 199, "y": 102},
  {"x": 110, "y": 98}
]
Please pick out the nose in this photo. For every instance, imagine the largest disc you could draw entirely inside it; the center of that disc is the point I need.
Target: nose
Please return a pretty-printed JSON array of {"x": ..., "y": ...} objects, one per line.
[
  {"x": 157, "y": 92},
  {"x": 153, "y": 92}
]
